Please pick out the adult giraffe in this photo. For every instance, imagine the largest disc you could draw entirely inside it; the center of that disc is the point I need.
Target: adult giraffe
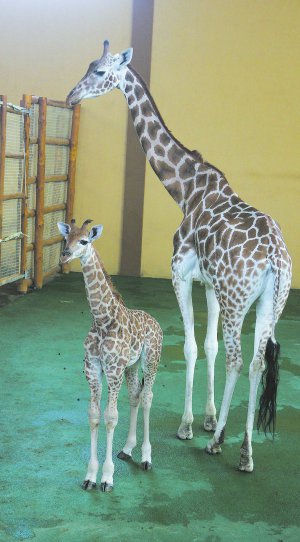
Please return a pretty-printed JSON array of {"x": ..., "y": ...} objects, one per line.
[{"x": 235, "y": 250}]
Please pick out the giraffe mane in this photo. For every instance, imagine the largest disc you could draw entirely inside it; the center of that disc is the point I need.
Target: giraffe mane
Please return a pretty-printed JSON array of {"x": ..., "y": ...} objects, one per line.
[{"x": 195, "y": 155}]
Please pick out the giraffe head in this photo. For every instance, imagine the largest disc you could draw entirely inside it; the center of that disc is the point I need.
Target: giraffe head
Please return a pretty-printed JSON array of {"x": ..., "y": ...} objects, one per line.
[
  {"x": 103, "y": 75},
  {"x": 78, "y": 240}
]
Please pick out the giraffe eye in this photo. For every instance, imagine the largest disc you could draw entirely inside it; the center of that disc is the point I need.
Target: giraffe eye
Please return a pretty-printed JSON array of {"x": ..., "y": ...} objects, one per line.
[
  {"x": 83, "y": 242},
  {"x": 100, "y": 73}
]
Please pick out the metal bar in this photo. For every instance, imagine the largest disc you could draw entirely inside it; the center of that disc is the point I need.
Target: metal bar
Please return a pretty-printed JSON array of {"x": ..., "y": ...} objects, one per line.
[
  {"x": 17, "y": 195},
  {"x": 57, "y": 103},
  {"x": 3, "y": 116},
  {"x": 16, "y": 155},
  {"x": 72, "y": 170},
  {"x": 53, "y": 240},
  {"x": 49, "y": 179},
  {"x": 26, "y": 104},
  {"x": 12, "y": 278},
  {"x": 63, "y": 141},
  {"x": 53, "y": 208},
  {"x": 40, "y": 189}
]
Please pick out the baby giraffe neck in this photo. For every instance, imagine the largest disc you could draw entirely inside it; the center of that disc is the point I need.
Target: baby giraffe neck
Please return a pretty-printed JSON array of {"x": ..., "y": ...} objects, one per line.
[{"x": 103, "y": 304}]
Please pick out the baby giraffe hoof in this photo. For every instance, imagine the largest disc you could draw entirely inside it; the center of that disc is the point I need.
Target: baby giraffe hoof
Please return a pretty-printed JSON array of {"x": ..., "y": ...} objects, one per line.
[
  {"x": 185, "y": 431},
  {"x": 210, "y": 423},
  {"x": 213, "y": 448},
  {"x": 123, "y": 456},
  {"x": 106, "y": 487},
  {"x": 88, "y": 485},
  {"x": 146, "y": 465}
]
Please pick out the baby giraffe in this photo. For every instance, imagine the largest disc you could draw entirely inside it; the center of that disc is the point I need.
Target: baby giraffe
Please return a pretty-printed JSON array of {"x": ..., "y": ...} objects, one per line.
[{"x": 119, "y": 339}]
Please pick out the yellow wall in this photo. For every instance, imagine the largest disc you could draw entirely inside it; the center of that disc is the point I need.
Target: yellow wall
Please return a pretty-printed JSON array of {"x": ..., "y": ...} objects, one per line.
[
  {"x": 225, "y": 76},
  {"x": 45, "y": 48}
]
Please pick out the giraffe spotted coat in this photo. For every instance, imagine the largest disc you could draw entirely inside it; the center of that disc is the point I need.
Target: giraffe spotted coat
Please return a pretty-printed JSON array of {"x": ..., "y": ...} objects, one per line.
[{"x": 236, "y": 251}]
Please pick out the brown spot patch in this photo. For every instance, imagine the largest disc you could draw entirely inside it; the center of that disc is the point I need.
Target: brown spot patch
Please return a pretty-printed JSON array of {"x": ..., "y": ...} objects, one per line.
[
  {"x": 145, "y": 143},
  {"x": 139, "y": 91},
  {"x": 146, "y": 109},
  {"x": 164, "y": 139},
  {"x": 187, "y": 169},
  {"x": 164, "y": 170},
  {"x": 159, "y": 150},
  {"x": 175, "y": 154},
  {"x": 153, "y": 128},
  {"x": 128, "y": 88},
  {"x": 140, "y": 127},
  {"x": 129, "y": 77},
  {"x": 135, "y": 112}
]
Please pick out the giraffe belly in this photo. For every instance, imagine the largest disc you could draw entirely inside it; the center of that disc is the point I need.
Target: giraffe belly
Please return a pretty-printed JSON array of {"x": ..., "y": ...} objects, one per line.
[{"x": 189, "y": 265}]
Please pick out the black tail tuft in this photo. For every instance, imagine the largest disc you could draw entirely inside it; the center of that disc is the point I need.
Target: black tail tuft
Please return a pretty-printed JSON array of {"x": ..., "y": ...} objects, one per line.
[{"x": 270, "y": 378}]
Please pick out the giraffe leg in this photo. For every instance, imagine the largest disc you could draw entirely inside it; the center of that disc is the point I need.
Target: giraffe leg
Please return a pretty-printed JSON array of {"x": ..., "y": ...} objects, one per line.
[
  {"x": 183, "y": 290},
  {"x": 211, "y": 350},
  {"x": 114, "y": 381},
  {"x": 94, "y": 377},
  {"x": 134, "y": 391},
  {"x": 263, "y": 330},
  {"x": 150, "y": 359},
  {"x": 232, "y": 340}
]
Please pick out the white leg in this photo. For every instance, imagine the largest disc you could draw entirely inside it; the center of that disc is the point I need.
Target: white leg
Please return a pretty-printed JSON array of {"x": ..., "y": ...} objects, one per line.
[
  {"x": 146, "y": 446},
  {"x": 211, "y": 350},
  {"x": 134, "y": 391},
  {"x": 232, "y": 340},
  {"x": 183, "y": 290},
  {"x": 114, "y": 381},
  {"x": 94, "y": 377},
  {"x": 263, "y": 329}
]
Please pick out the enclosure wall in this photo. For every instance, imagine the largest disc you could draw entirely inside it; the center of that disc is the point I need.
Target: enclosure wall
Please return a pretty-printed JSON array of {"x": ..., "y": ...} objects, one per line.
[
  {"x": 226, "y": 81},
  {"x": 225, "y": 77}
]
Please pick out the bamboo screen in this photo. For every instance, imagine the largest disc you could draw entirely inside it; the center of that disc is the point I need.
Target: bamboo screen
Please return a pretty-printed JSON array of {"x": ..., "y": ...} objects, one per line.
[{"x": 50, "y": 134}]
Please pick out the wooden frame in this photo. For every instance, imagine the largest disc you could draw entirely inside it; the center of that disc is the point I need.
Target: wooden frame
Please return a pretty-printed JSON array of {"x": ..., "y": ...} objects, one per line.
[{"x": 38, "y": 243}]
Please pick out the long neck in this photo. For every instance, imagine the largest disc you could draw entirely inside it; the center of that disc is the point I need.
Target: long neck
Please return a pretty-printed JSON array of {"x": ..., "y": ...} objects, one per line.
[
  {"x": 103, "y": 303},
  {"x": 175, "y": 165}
]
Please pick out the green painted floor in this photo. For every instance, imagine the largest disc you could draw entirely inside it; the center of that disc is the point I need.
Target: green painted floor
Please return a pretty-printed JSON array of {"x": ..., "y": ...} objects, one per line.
[{"x": 189, "y": 495}]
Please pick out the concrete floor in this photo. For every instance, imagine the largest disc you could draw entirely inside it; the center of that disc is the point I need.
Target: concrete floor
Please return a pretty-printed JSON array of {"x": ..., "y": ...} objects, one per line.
[{"x": 188, "y": 495}]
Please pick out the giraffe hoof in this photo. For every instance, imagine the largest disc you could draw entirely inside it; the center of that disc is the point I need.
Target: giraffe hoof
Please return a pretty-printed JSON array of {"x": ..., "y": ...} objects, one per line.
[
  {"x": 185, "y": 431},
  {"x": 210, "y": 423},
  {"x": 146, "y": 465},
  {"x": 105, "y": 487},
  {"x": 123, "y": 456},
  {"x": 87, "y": 485},
  {"x": 246, "y": 467},
  {"x": 213, "y": 449}
]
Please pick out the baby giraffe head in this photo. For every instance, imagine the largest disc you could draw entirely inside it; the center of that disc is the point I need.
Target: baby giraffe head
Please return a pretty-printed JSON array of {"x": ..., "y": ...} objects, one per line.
[
  {"x": 103, "y": 75},
  {"x": 78, "y": 240}
]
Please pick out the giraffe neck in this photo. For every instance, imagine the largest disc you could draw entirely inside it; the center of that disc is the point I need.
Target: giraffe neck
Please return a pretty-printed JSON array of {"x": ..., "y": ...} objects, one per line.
[
  {"x": 103, "y": 303},
  {"x": 173, "y": 163}
]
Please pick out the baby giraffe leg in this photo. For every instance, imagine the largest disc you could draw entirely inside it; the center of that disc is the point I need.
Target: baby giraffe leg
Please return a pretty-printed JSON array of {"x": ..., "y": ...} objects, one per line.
[
  {"x": 134, "y": 390},
  {"x": 150, "y": 359},
  {"x": 94, "y": 376},
  {"x": 114, "y": 381}
]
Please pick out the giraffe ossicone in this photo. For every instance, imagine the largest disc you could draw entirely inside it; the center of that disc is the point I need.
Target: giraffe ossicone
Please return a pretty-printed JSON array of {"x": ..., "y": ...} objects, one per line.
[
  {"x": 119, "y": 342},
  {"x": 236, "y": 251}
]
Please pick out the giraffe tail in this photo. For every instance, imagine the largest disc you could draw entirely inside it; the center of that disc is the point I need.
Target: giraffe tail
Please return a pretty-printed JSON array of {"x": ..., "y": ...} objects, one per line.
[{"x": 270, "y": 378}]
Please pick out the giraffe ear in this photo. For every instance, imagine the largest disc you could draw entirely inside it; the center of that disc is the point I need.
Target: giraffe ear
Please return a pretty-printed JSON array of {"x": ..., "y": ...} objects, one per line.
[
  {"x": 95, "y": 233},
  {"x": 123, "y": 58},
  {"x": 64, "y": 228}
]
